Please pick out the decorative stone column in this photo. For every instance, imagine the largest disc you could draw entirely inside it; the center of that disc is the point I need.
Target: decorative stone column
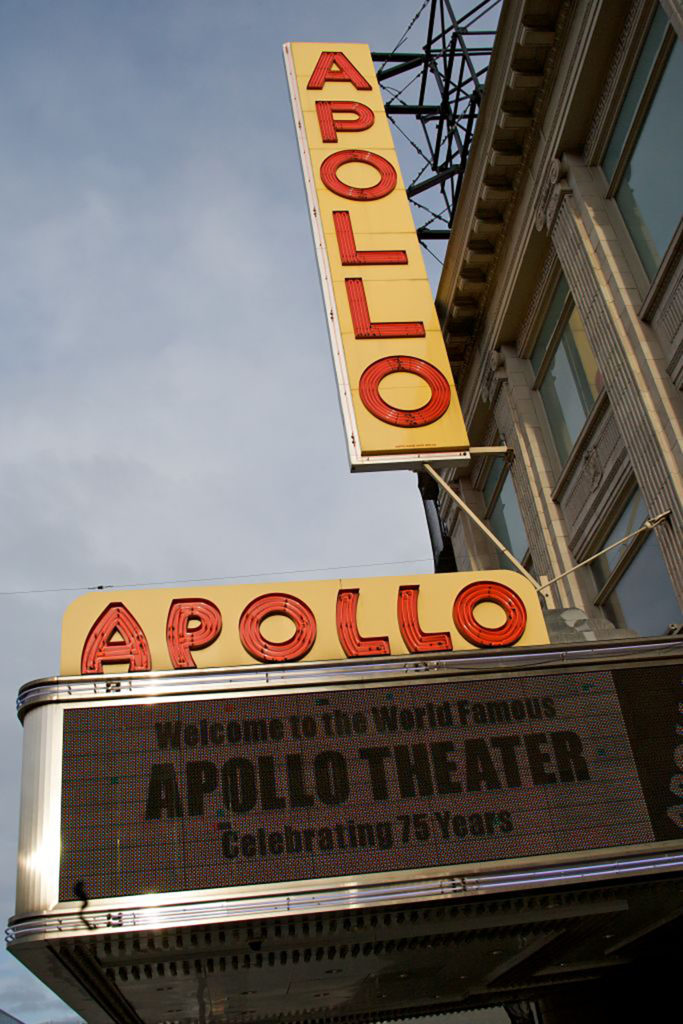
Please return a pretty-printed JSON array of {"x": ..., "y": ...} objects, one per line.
[
  {"x": 516, "y": 415},
  {"x": 644, "y": 403}
]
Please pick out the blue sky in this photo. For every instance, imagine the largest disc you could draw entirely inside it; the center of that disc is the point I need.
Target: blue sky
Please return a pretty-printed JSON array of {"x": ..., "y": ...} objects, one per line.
[{"x": 169, "y": 409}]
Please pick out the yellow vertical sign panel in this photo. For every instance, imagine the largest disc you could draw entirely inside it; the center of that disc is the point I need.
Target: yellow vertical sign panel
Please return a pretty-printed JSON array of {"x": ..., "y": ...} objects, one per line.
[{"x": 396, "y": 388}]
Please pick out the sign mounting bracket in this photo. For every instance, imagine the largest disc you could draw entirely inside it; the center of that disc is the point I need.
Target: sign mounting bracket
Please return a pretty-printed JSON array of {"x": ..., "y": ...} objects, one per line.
[{"x": 482, "y": 526}]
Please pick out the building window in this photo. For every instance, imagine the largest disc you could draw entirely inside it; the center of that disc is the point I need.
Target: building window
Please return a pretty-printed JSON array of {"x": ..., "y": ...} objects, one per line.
[
  {"x": 503, "y": 514},
  {"x": 567, "y": 375},
  {"x": 643, "y": 157},
  {"x": 634, "y": 589}
]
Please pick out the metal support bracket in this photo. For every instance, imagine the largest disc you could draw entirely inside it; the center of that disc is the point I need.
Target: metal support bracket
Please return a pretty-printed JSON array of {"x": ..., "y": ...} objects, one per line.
[
  {"x": 649, "y": 524},
  {"x": 493, "y": 449},
  {"x": 482, "y": 526}
]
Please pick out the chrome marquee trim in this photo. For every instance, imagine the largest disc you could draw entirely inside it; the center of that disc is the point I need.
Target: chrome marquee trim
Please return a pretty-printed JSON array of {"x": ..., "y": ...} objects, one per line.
[
  {"x": 361, "y": 671},
  {"x": 152, "y": 918}
]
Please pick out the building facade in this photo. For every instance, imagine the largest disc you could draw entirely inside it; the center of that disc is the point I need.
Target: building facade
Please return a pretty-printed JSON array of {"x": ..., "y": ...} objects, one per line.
[{"x": 561, "y": 301}]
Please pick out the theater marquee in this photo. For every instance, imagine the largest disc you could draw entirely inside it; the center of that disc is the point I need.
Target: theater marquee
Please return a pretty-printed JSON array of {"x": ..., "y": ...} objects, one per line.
[
  {"x": 396, "y": 388},
  {"x": 161, "y": 809},
  {"x": 270, "y": 788}
]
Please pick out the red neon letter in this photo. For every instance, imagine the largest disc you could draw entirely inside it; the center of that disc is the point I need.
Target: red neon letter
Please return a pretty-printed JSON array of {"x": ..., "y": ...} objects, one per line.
[
  {"x": 373, "y": 375},
  {"x": 483, "y": 636},
  {"x": 325, "y": 71},
  {"x": 330, "y": 125},
  {"x": 363, "y": 327},
  {"x": 415, "y": 639},
  {"x": 350, "y": 257},
  {"x": 100, "y": 649},
  {"x": 355, "y": 645},
  {"x": 332, "y": 163},
  {"x": 262, "y": 608},
  {"x": 181, "y": 638}
]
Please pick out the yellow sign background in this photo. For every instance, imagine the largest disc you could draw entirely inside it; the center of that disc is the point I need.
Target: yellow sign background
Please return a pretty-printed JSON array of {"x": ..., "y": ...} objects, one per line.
[
  {"x": 377, "y": 615},
  {"x": 394, "y": 292}
]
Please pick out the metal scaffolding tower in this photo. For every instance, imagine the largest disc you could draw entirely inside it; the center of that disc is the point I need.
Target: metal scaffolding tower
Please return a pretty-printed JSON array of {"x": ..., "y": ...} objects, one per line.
[{"x": 433, "y": 93}]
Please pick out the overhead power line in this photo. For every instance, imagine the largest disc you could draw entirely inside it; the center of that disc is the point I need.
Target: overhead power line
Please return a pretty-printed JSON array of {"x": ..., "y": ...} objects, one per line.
[{"x": 208, "y": 579}]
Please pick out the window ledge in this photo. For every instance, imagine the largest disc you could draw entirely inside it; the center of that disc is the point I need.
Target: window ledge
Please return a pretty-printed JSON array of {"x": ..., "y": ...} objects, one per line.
[{"x": 581, "y": 443}]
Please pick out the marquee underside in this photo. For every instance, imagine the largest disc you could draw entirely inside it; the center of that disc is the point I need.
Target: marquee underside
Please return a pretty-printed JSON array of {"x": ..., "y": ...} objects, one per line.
[{"x": 353, "y": 966}]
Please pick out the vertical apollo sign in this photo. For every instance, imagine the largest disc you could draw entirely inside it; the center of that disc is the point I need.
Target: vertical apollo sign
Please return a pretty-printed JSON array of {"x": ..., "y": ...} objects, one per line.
[{"x": 396, "y": 388}]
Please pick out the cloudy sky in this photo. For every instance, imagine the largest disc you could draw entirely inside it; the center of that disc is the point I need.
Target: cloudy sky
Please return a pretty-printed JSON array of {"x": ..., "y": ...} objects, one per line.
[{"x": 169, "y": 409}]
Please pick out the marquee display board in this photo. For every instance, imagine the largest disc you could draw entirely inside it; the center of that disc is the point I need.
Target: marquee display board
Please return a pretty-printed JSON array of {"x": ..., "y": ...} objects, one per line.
[
  {"x": 269, "y": 788},
  {"x": 309, "y": 620},
  {"x": 395, "y": 383}
]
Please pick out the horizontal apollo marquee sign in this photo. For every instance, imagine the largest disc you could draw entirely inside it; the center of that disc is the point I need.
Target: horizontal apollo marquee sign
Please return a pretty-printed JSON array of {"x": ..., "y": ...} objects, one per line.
[
  {"x": 351, "y": 780},
  {"x": 396, "y": 388},
  {"x": 320, "y": 620}
]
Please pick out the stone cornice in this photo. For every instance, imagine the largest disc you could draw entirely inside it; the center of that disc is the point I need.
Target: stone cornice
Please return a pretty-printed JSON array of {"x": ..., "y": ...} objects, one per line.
[
  {"x": 516, "y": 82},
  {"x": 620, "y": 69}
]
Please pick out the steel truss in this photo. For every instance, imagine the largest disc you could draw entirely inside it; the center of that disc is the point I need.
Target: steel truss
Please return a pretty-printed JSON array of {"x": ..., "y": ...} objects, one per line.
[{"x": 432, "y": 97}]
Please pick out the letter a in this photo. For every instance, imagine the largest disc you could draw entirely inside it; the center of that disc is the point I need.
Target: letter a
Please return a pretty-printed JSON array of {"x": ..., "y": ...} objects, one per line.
[
  {"x": 335, "y": 67},
  {"x": 100, "y": 648}
]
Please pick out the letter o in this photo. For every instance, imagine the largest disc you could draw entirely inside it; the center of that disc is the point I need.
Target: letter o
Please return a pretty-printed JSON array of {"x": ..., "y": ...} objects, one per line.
[
  {"x": 331, "y": 777},
  {"x": 261, "y": 608},
  {"x": 373, "y": 375},
  {"x": 332, "y": 163},
  {"x": 484, "y": 636},
  {"x": 238, "y": 784}
]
